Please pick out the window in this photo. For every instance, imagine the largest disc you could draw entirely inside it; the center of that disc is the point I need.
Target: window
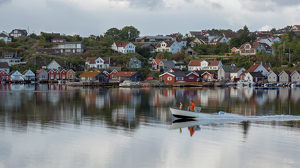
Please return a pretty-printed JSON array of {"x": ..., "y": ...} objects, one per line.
[
  {"x": 70, "y": 76},
  {"x": 57, "y": 76},
  {"x": 179, "y": 78},
  {"x": 169, "y": 78},
  {"x": 52, "y": 76},
  {"x": 63, "y": 77},
  {"x": 191, "y": 77}
]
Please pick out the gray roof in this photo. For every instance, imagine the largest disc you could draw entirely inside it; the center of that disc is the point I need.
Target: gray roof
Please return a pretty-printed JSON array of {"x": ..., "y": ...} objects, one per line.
[
  {"x": 4, "y": 65},
  {"x": 168, "y": 62},
  {"x": 235, "y": 70},
  {"x": 147, "y": 45},
  {"x": 179, "y": 74},
  {"x": 228, "y": 68},
  {"x": 256, "y": 74}
]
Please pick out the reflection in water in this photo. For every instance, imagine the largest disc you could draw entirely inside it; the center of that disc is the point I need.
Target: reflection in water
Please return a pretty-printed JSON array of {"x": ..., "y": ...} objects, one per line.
[
  {"x": 125, "y": 107},
  {"x": 59, "y": 126}
]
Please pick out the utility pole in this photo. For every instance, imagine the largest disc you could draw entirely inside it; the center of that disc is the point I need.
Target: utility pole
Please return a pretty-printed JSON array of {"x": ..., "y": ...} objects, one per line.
[
  {"x": 289, "y": 54},
  {"x": 283, "y": 51}
]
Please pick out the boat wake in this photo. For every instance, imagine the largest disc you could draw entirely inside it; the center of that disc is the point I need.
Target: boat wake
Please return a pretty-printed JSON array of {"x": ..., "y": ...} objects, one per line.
[{"x": 224, "y": 115}]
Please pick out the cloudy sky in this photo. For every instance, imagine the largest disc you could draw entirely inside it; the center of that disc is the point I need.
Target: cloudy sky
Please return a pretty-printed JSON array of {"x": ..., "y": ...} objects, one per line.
[{"x": 151, "y": 17}]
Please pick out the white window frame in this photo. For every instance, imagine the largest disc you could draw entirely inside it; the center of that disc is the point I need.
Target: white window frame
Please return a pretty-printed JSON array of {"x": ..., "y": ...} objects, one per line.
[{"x": 169, "y": 78}]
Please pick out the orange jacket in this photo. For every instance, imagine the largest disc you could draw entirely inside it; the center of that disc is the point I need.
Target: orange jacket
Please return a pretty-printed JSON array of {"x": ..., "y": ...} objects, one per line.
[{"x": 192, "y": 106}]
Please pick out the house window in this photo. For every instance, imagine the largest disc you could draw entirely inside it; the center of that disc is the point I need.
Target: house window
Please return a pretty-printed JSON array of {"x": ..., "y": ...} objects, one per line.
[
  {"x": 70, "y": 76},
  {"x": 169, "y": 78},
  {"x": 52, "y": 76},
  {"x": 179, "y": 78},
  {"x": 57, "y": 76},
  {"x": 191, "y": 77},
  {"x": 63, "y": 77}
]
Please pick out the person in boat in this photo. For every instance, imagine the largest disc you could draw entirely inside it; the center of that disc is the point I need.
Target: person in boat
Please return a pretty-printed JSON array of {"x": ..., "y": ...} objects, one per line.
[{"x": 192, "y": 106}]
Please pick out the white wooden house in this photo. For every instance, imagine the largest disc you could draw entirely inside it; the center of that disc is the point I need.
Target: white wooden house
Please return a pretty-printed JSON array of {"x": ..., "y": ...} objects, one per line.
[
  {"x": 28, "y": 75},
  {"x": 54, "y": 65},
  {"x": 169, "y": 46},
  {"x": 295, "y": 76},
  {"x": 123, "y": 47},
  {"x": 16, "y": 76}
]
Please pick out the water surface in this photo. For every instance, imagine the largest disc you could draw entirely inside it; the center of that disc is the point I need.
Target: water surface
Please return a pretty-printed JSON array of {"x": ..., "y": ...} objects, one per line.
[{"x": 60, "y": 126}]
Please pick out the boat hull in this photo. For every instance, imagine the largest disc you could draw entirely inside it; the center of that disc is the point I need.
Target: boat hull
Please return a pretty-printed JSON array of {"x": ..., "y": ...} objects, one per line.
[{"x": 186, "y": 114}]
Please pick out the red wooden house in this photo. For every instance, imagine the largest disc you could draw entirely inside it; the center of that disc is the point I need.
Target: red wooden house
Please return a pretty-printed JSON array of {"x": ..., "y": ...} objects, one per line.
[
  {"x": 112, "y": 74},
  {"x": 173, "y": 77},
  {"x": 4, "y": 76},
  {"x": 53, "y": 74},
  {"x": 63, "y": 74},
  {"x": 210, "y": 76}
]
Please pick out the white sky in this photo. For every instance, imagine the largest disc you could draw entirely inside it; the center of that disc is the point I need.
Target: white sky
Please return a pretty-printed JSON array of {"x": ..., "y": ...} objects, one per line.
[{"x": 151, "y": 17}]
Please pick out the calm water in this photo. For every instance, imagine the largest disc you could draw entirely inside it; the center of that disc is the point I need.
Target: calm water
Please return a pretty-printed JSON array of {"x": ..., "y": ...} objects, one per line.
[{"x": 60, "y": 126}]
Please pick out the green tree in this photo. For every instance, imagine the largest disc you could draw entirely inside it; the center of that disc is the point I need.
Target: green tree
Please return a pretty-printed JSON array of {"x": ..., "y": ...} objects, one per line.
[
  {"x": 179, "y": 35},
  {"x": 112, "y": 32},
  {"x": 129, "y": 33}
]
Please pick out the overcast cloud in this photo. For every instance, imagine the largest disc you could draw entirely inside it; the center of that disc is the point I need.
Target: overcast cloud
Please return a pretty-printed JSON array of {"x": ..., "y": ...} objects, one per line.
[{"x": 151, "y": 17}]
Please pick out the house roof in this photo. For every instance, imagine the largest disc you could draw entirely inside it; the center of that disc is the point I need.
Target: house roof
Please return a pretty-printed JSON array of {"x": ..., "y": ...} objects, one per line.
[
  {"x": 121, "y": 44},
  {"x": 169, "y": 43},
  {"x": 89, "y": 74},
  {"x": 266, "y": 65},
  {"x": 175, "y": 69},
  {"x": 125, "y": 73},
  {"x": 3, "y": 35},
  {"x": 24, "y": 32},
  {"x": 228, "y": 68},
  {"x": 231, "y": 35},
  {"x": 25, "y": 72},
  {"x": 91, "y": 60},
  {"x": 253, "y": 45},
  {"x": 297, "y": 26},
  {"x": 57, "y": 62},
  {"x": 287, "y": 72},
  {"x": 195, "y": 63},
  {"x": 213, "y": 73},
  {"x": 266, "y": 46},
  {"x": 213, "y": 63},
  {"x": 39, "y": 71},
  {"x": 276, "y": 72},
  {"x": 106, "y": 60},
  {"x": 216, "y": 39},
  {"x": 4, "y": 65},
  {"x": 147, "y": 45},
  {"x": 235, "y": 70},
  {"x": 256, "y": 74},
  {"x": 167, "y": 62},
  {"x": 158, "y": 60},
  {"x": 198, "y": 72}
]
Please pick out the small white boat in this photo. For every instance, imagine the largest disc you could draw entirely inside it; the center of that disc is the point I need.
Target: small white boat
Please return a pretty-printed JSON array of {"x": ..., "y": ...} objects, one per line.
[
  {"x": 176, "y": 112},
  {"x": 242, "y": 83},
  {"x": 230, "y": 84},
  {"x": 128, "y": 83},
  {"x": 295, "y": 85},
  {"x": 268, "y": 85}
]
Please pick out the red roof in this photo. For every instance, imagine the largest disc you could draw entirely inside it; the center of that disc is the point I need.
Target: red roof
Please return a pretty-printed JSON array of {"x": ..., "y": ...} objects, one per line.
[
  {"x": 39, "y": 71},
  {"x": 24, "y": 72},
  {"x": 195, "y": 63},
  {"x": 251, "y": 69},
  {"x": 106, "y": 60},
  {"x": 124, "y": 73},
  {"x": 121, "y": 44},
  {"x": 91, "y": 60},
  {"x": 159, "y": 60},
  {"x": 213, "y": 63}
]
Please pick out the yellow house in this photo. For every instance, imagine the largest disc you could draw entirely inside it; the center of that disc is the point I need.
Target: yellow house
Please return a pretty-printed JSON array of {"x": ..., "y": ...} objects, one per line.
[{"x": 70, "y": 74}]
